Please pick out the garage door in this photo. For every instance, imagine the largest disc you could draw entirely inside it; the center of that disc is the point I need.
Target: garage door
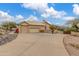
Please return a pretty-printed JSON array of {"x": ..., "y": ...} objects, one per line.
[
  {"x": 33, "y": 30},
  {"x": 23, "y": 29}
]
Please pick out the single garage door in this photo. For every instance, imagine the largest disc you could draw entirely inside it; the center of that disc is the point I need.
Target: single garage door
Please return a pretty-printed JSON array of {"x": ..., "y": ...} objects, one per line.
[
  {"x": 33, "y": 30},
  {"x": 23, "y": 29}
]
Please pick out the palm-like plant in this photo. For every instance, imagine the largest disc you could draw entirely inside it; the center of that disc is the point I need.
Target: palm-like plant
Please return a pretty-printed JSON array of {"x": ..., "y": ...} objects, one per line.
[{"x": 51, "y": 26}]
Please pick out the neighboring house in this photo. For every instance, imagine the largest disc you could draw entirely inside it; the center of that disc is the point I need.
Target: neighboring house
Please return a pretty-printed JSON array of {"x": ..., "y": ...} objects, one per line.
[{"x": 33, "y": 26}]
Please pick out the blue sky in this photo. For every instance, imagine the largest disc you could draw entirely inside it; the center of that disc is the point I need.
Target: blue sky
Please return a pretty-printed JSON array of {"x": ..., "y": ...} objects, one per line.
[{"x": 58, "y": 13}]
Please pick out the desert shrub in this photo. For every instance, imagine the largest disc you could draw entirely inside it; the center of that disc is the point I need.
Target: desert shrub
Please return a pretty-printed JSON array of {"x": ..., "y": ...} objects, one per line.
[
  {"x": 42, "y": 31},
  {"x": 72, "y": 45},
  {"x": 52, "y": 31},
  {"x": 67, "y": 31},
  {"x": 0, "y": 33},
  {"x": 75, "y": 45}
]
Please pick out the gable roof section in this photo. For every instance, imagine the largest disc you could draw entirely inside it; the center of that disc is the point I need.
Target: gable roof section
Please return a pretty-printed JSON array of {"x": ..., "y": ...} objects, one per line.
[
  {"x": 24, "y": 23},
  {"x": 35, "y": 23}
]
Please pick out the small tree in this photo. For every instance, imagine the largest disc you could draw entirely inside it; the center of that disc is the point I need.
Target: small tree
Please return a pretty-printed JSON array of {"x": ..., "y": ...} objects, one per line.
[
  {"x": 8, "y": 25},
  {"x": 74, "y": 24},
  {"x": 52, "y": 27}
]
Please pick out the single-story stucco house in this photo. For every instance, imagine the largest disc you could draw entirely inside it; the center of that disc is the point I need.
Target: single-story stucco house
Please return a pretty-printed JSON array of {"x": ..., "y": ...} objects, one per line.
[{"x": 33, "y": 26}]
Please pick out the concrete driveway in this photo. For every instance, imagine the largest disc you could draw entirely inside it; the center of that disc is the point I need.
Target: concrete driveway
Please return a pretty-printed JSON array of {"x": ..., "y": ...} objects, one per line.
[{"x": 35, "y": 44}]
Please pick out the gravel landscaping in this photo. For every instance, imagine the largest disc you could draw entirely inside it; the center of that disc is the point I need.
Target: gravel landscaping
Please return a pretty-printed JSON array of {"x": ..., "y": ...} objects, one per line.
[
  {"x": 7, "y": 38},
  {"x": 71, "y": 44}
]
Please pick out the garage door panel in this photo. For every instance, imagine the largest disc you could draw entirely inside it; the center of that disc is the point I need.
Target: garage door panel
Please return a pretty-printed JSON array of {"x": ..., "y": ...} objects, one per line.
[{"x": 33, "y": 30}]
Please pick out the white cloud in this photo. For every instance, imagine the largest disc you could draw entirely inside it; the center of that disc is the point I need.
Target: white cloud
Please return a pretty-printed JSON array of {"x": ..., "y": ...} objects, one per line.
[
  {"x": 32, "y": 18},
  {"x": 46, "y": 11},
  {"x": 76, "y": 9},
  {"x": 68, "y": 18},
  {"x": 19, "y": 17},
  {"x": 36, "y": 6},
  {"x": 53, "y": 13},
  {"x": 50, "y": 11},
  {"x": 4, "y": 16},
  {"x": 45, "y": 15}
]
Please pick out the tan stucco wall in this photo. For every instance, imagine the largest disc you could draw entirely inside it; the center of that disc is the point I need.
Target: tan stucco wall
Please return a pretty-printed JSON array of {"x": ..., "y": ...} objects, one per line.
[{"x": 25, "y": 28}]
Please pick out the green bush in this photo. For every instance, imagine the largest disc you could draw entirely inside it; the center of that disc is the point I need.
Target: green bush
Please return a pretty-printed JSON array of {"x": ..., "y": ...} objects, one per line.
[{"x": 42, "y": 31}]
